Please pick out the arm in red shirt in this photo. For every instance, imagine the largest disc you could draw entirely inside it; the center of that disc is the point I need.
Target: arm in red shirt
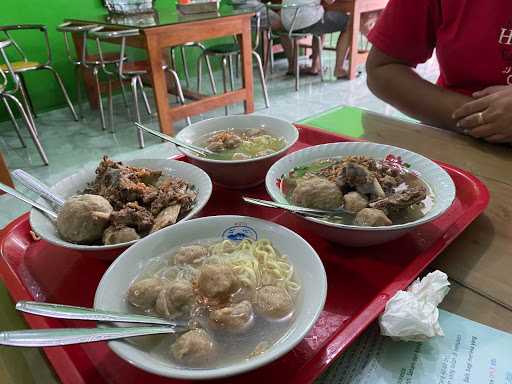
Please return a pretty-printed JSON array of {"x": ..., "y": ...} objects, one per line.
[{"x": 405, "y": 35}]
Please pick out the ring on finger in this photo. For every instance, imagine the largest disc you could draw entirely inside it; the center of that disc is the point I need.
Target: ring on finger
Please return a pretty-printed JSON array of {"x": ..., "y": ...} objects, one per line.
[{"x": 480, "y": 117}]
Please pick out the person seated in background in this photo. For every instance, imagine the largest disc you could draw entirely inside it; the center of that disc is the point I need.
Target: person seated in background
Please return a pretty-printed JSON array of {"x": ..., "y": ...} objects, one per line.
[
  {"x": 310, "y": 19},
  {"x": 473, "y": 43}
]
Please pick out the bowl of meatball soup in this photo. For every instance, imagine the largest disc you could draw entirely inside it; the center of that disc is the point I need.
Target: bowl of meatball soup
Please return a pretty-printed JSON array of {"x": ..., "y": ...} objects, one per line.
[
  {"x": 242, "y": 148},
  {"x": 366, "y": 193},
  {"x": 247, "y": 290}
]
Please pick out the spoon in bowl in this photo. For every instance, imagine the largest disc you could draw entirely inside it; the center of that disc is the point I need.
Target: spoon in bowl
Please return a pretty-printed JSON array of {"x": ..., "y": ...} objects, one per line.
[
  {"x": 28, "y": 200},
  {"x": 313, "y": 212},
  {"x": 37, "y": 186},
  {"x": 179, "y": 143}
]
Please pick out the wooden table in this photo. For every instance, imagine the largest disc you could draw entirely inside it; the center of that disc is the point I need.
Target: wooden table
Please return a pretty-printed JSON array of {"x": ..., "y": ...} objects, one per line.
[
  {"x": 171, "y": 29},
  {"x": 5, "y": 176},
  {"x": 355, "y": 8}
]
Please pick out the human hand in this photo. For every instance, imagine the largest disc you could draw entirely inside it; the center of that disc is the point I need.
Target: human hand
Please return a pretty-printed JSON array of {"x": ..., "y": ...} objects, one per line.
[{"x": 489, "y": 117}]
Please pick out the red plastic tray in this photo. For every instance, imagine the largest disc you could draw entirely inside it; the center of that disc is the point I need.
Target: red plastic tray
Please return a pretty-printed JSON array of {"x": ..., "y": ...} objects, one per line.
[{"x": 360, "y": 282}]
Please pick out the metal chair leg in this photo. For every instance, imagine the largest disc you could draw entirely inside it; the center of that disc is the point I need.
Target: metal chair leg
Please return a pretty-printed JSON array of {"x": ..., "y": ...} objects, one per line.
[
  {"x": 210, "y": 74},
  {"x": 140, "y": 136},
  {"x": 237, "y": 65},
  {"x": 110, "y": 106},
  {"x": 14, "y": 122},
  {"x": 100, "y": 102},
  {"x": 26, "y": 102},
  {"x": 63, "y": 89},
  {"x": 32, "y": 110},
  {"x": 262, "y": 78},
  {"x": 199, "y": 72},
  {"x": 144, "y": 96},
  {"x": 296, "y": 63},
  {"x": 31, "y": 128},
  {"x": 231, "y": 75},
  {"x": 123, "y": 92},
  {"x": 78, "y": 80},
  {"x": 181, "y": 98},
  {"x": 185, "y": 67},
  {"x": 224, "y": 80}
]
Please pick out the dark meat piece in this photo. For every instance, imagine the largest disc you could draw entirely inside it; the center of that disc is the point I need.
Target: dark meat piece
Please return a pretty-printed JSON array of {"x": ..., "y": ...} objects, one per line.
[
  {"x": 171, "y": 192},
  {"x": 359, "y": 177},
  {"x": 399, "y": 200},
  {"x": 223, "y": 140},
  {"x": 135, "y": 216},
  {"x": 389, "y": 183}
]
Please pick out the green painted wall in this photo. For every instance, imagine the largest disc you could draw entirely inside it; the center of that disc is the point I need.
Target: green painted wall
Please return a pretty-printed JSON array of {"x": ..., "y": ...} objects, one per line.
[{"x": 42, "y": 88}]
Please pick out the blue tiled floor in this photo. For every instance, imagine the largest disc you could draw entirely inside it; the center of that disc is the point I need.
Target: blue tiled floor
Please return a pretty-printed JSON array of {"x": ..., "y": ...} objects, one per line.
[{"x": 74, "y": 145}]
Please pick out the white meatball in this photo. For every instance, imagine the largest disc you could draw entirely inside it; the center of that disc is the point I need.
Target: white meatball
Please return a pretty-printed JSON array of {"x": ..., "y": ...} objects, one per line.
[
  {"x": 143, "y": 293},
  {"x": 194, "y": 348},
  {"x": 235, "y": 318},
  {"x": 83, "y": 218},
  {"x": 116, "y": 235},
  {"x": 217, "y": 281},
  {"x": 175, "y": 298},
  {"x": 355, "y": 201},
  {"x": 273, "y": 302},
  {"x": 371, "y": 217},
  {"x": 190, "y": 254},
  {"x": 317, "y": 192}
]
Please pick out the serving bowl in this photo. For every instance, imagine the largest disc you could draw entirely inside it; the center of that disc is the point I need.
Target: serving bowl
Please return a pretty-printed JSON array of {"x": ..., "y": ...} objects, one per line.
[
  {"x": 46, "y": 229},
  {"x": 238, "y": 174},
  {"x": 432, "y": 174},
  {"x": 114, "y": 284}
]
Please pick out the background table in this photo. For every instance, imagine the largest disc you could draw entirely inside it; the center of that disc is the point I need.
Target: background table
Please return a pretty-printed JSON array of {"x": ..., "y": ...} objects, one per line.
[{"x": 170, "y": 28}]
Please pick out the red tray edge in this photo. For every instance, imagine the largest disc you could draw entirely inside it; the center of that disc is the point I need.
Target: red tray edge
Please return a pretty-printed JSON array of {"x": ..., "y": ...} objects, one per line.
[{"x": 68, "y": 372}]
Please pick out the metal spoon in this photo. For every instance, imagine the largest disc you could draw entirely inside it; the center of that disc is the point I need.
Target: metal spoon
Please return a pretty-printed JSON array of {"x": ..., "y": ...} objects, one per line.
[
  {"x": 22, "y": 197},
  {"x": 60, "y": 311},
  {"x": 66, "y": 336},
  {"x": 296, "y": 209},
  {"x": 37, "y": 186},
  {"x": 179, "y": 143}
]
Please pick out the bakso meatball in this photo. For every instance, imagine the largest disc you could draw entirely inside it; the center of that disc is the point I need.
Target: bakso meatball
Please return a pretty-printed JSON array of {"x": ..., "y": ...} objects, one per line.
[
  {"x": 231, "y": 140},
  {"x": 175, "y": 298},
  {"x": 190, "y": 254},
  {"x": 273, "y": 302},
  {"x": 83, "y": 218},
  {"x": 217, "y": 281},
  {"x": 193, "y": 348},
  {"x": 254, "y": 132},
  {"x": 235, "y": 318},
  {"x": 371, "y": 217},
  {"x": 355, "y": 201},
  {"x": 116, "y": 235},
  {"x": 317, "y": 192},
  {"x": 143, "y": 293}
]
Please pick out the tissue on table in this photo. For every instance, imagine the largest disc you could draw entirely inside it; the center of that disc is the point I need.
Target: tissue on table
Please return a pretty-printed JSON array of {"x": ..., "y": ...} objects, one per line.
[{"x": 412, "y": 315}]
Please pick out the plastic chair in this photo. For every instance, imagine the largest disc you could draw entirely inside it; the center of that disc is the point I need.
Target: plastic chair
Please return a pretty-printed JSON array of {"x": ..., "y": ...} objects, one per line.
[
  {"x": 226, "y": 52},
  {"x": 25, "y": 65},
  {"x": 295, "y": 37},
  {"x": 126, "y": 70},
  {"x": 9, "y": 95}
]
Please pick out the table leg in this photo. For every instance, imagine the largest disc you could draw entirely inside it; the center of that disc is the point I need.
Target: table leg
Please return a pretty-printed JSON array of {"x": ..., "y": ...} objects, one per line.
[
  {"x": 159, "y": 82},
  {"x": 5, "y": 176},
  {"x": 354, "y": 44},
  {"x": 245, "y": 41}
]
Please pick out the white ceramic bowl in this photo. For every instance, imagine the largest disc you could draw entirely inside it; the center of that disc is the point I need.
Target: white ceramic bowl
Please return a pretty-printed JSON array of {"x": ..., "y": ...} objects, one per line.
[
  {"x": 238, "y": 173},
  {"x": 308, "y": 267},
  {"x": 432, "y": 174},
  {"x": 73, "y": 184}
]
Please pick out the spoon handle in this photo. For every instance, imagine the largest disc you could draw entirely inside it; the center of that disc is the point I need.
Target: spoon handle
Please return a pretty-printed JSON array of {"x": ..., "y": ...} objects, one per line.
[
  {"x": 66, "y": 336},
  {"x": 38, "y": 187},
  {"x": 22, "y": 197},
  {"x": 171, "y": 139},
  {"x": 294, "y": 208},
  {"x": 80, "y": 313}
]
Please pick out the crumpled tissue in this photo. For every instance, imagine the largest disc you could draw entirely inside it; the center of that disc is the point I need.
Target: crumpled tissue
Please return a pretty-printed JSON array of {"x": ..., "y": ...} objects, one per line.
[{"x": 412, "y": 315}]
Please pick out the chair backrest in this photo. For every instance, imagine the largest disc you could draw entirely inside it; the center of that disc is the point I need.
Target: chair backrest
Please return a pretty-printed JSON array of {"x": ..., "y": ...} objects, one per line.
[
  {"x": 10, "y": 71},
  {"x": 112, "y": 36},
  {"x": 7, "y": 29},
  {"x": 67, "y": 29},
  {"x": 298, "y": 8}
]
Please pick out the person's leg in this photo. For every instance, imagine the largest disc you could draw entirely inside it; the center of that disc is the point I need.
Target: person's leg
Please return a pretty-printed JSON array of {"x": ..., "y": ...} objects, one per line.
[
  {"x": 341, "y": 53},
  {"x": 286, "y": 43}
]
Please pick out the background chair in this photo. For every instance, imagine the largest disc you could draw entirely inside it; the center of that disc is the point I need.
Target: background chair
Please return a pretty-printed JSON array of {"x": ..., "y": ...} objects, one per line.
[
  {"x": 227, "y": 52},
  {"x": 8, "y": 95},
  {"x": 294, "y": 36},
  {"x": 182, "y": 50},
  {"x": 24, "y": 65},
  {"x": 127, "y": 70}
]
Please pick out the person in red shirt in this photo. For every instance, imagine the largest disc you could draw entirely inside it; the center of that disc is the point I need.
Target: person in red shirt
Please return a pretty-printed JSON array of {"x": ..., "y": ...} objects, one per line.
[{"x": 473, "y": 44}]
